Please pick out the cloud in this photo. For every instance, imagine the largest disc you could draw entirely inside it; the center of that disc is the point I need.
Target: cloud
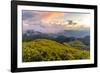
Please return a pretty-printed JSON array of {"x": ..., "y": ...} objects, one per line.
[
  {"x": 53, "y": 22},
  {"x": 27, "y": 15}
]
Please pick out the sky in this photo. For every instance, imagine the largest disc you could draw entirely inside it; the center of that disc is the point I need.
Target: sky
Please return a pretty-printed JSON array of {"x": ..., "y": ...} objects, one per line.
[{"x": 51, "y": 22}]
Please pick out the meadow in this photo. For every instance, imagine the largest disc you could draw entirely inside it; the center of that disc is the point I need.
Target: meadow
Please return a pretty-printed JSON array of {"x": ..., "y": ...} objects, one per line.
[{"x": 50, "y": 50}]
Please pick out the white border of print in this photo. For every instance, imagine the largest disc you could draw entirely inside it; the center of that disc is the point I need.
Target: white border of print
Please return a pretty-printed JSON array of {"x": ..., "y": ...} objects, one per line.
[{"x": 52, "y": 63}]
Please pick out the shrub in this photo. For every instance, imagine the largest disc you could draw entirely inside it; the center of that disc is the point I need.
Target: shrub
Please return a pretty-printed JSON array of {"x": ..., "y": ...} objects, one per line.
[{"x": 49, "y": 50}]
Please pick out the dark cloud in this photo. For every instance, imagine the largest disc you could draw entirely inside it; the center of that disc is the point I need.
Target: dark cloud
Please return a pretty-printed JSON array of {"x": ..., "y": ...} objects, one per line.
[{"x": 27, "y": 14}]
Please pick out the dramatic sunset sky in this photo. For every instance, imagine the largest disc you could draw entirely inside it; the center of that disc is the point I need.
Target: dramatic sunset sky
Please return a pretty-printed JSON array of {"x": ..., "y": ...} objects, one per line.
[{"x": 51, "y": 22}]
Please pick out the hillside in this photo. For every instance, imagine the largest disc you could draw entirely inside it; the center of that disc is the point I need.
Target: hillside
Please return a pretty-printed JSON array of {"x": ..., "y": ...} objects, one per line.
[
  {"x": 48, "y": 50},
  {"x": 79, "y": 45}
]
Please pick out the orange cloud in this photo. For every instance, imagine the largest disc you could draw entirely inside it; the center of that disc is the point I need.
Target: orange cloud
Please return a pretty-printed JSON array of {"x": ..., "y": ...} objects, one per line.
[{"x": 48, "y": 15}]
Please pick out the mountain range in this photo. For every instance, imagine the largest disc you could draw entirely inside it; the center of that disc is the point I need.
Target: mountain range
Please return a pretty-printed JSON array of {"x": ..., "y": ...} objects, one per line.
[{"x": 65, "y": 36}]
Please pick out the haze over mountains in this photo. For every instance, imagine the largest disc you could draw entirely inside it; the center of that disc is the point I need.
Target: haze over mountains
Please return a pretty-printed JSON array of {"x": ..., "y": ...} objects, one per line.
[
  {"x": 66, "y": 36},
  {"x": 58, "y": 26},
  {"x": 66, "y": 33}
]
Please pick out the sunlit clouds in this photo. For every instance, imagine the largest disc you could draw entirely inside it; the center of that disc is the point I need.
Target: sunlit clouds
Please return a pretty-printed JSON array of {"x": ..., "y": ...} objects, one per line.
[{"x": 51, "y": 22}]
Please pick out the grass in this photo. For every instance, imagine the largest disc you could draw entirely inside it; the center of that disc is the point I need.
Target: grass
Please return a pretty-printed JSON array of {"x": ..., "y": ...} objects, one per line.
[{"x": 49, "y": 50}]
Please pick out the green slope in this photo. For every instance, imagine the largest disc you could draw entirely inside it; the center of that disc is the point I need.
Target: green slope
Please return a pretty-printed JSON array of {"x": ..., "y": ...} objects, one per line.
[
  {"x": 79, "y": 45},
  {"x": 48, "y": 50}
]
